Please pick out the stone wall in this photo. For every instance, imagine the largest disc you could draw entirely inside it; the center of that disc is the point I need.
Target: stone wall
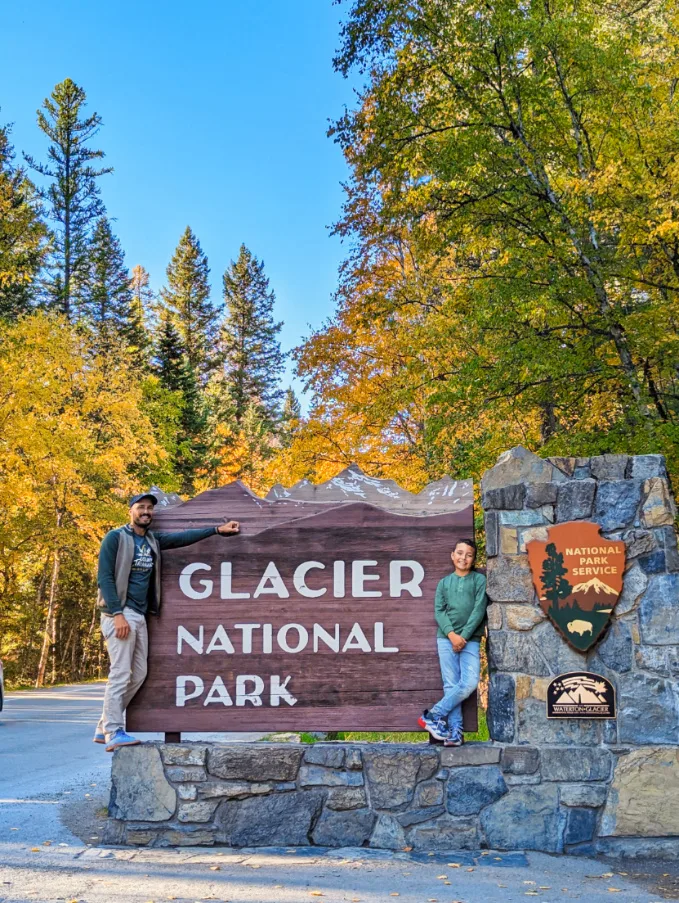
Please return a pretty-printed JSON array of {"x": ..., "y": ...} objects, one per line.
[
  {"x": 628, "y": 767},
  {"x": 575, "y": 786}
]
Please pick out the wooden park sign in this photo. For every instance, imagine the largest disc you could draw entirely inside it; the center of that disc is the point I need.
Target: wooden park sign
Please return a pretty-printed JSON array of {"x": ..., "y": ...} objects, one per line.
[{"x": 319, "y": 616}]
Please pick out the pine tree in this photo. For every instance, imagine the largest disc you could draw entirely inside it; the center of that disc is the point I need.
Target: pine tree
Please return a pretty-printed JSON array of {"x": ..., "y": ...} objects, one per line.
[
  {"x": 187, "y": 297},
  {"x": 107, "y": 296},
  {"x": 141, "y": 315},
  {"x": 22, "y": 235},
  {"x": 290, "y": 418},
  {"x": 177, "y": 375},
  {"x": 73, "y": 196},
  {"x": 249, "y": 342},
  {"x": 556, "y": 587}
]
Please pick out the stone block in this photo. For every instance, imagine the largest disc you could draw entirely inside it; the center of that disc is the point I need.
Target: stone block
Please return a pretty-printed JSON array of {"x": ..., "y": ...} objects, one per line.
[
  {"x": 638, "y": 847},
  {"x": 473, "y": 788},
  {"x": 317, "y": 776},
  {"x": 393, "y": 773},
  {"x": 201, "y": 811},
  {"x": 283, "y": 786},
  {"x": 139, "y": 789},
  {"x": 417, "y": 816},
  {"x": 534, "y": 728},
  {"x": 234, "y": 790},
  {"x": 138, "y": 838},
  {"x": 633, "y": 587},
  {"x": 509, "y": 579},
  {"x": 518, "y": 465},
  {"x": 351, "y": 828},
  {"x": 575, "y": 764},
  {"x": 186, "y": 838},
  {"x": 554, "y": 649},
  {"x": 429, "y": 793},
  {"x": 526, "y": 818},
  {"x": 508, "y": 651},
  {"x": 583, "y": 469},
  {"x": 470, "y": 754},
  {"x": 638, "y": 542},
  {"x": 653, "y": 658},
  {"x": 509, "y": 541},
  {"x": 653, "y": 563},
  {"x": 575, "y": 500},
  {"x": 615, "y": 650},
  {"x": 565, "y": 465},
  {"x": 354, "y": 761},
  {"x": 513, "y": 780},
  {"x": 445, "y": 834},
  {"x": 491, "y": 521},
  {"x": 647, "y": 710},
  {"x": 529, "y": 517},
  {"x": 616, "y": 504},
  {"x": 592, "y": 795},
  {"x": 667, "y": 540},
  {"x": 644, "y": 795},
  {"x": 183, "y": 755},
  {"x": 494, "y": 613},
  {"x": 505, "y": 498},
  {"x": 528, "y": 534},
  {"x": 186, "y": 791},
  {"x": 523, "y": 617},
  {"x": 263, "y": 762},
  {"x": 346, "y": 798},
  {"x": 657, "y": 507},
  {"x": 388, "y": 834},
  {"x": 645, "y": 467},
  {"x": 659, "y": 611},
  {"x": 580, "y": 825},
  {"x": 500, "y": 715},
  {"x": 539, "y": 494},
  {"x": 185, "y": 774},
  {"x": 325, "y": 754},
  {"x": 609, "y": 467},
  {"x": 520, "y": 760},
  {"x": 275, "y": 820}
]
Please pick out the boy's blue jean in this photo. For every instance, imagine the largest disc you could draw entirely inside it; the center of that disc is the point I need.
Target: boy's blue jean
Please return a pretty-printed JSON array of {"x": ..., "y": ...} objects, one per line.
[{"x": 460, "y": 672}]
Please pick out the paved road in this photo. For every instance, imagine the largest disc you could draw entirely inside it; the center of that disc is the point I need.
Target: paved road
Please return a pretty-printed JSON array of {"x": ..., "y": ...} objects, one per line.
[{"x": 52, "y": 775}]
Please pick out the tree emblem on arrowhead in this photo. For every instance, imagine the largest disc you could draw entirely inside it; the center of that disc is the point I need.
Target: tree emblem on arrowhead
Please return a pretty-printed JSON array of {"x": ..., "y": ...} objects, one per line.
[{"x": 578, "y": 577}]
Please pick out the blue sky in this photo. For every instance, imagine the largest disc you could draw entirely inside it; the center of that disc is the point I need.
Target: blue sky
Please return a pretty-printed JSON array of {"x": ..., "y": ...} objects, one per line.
[{"x": 215, "y": 116}]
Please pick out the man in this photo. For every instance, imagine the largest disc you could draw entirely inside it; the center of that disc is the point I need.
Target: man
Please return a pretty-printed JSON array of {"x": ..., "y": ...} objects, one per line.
[{"x": 129, "y": 588}]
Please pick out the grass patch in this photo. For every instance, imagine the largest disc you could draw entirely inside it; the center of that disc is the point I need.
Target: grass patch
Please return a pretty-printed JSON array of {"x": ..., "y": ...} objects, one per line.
[{"x": 397, "y": 737}]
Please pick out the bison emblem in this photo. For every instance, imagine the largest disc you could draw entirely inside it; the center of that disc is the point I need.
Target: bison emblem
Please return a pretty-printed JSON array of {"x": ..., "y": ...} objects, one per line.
[{"x": 579, "y": 627}]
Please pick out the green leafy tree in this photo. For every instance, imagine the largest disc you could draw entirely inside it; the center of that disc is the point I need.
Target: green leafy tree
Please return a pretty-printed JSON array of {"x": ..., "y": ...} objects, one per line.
[
  {"x": 290, "y": 417},
  {"x": 22, "y": 235},
  {"x": 253, "y": 361},
  {"x": 73, "y": 197},
  {"x": 187, "y": 298},
  {"x": 556, "y": 587}
]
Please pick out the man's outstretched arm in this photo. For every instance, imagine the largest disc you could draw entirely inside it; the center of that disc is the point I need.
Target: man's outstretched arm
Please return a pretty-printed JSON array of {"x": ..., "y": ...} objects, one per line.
[{"x": 187, "y": 537}]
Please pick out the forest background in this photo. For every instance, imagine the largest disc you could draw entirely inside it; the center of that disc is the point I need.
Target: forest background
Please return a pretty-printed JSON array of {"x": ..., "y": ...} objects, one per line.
[{"x": 512, "y": 263}]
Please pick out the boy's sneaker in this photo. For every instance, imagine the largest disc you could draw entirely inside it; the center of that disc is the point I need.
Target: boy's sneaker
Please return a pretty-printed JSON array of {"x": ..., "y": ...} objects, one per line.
[
  {"x": 455, "y": 738},
  {"x": 99, "y": 738},
  {"x": 120, "y": 738},
  {"x": 437, "y": 727}
]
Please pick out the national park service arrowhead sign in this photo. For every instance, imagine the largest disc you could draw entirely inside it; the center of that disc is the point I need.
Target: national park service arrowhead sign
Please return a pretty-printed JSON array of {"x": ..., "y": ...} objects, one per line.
[{"x": 578, "y": 578}]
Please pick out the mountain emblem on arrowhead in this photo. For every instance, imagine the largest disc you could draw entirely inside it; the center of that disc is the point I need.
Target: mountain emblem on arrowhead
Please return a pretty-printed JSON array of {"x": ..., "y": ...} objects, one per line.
[{"x": 578, "y": 576}]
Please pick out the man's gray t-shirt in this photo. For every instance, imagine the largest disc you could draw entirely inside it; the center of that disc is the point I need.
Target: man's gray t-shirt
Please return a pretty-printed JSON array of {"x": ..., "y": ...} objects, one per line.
[{"x": 140, "y": 575}]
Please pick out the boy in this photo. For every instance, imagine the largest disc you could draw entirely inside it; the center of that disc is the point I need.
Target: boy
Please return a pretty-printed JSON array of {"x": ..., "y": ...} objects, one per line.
[{"x": 460, "y": 610}]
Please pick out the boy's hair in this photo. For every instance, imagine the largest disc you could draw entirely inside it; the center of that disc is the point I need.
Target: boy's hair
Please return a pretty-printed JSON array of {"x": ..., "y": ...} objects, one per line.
[{"x": 466, "y": 542}]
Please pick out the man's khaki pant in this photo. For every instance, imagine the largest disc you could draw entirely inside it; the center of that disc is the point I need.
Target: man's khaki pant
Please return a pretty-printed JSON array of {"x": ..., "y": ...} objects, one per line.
[{"x": 128, "y": 669}]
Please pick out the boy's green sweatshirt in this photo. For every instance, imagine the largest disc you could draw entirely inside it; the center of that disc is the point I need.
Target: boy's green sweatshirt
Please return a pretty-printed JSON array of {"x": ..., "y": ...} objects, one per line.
[{"x": 460, "y": 605}]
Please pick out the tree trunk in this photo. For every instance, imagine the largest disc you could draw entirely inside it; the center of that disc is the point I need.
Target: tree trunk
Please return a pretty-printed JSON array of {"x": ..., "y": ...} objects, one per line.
[{"x": 50, "y": 621}]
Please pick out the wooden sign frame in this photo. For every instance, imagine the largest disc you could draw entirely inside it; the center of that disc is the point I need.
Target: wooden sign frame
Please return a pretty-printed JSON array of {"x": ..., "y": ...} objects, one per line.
[{"x": 325, "y": 598}]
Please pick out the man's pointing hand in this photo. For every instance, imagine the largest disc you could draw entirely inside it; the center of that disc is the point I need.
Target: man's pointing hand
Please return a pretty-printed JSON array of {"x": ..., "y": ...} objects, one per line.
[{"x": 229, "y": 529}]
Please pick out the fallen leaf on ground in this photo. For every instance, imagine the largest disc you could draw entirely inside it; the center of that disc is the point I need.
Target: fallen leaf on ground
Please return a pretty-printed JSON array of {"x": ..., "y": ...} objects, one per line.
[
  {"x": 497, "y": 858},
  {"x": 316, "y": 893},
  {"x": 613, "y": 890},
  {"x": 35, "y": 849},
  {"x": 502, "y": 885},
  {"x": 470, "y": 869},
  {"x": 441, "y": 877},
  {"x": 407, "y": 849},
  {"x": 607, "y": 875},
  {"x": 395, "y": 894},
  {"x": 529, "y": 882},
  {"x": 531, "y": 893},
  {"x": 255, "y": 866},
  {"x": 545, "y": 887},
  {"x": 447, "y": 882},
  {"x": 454, "y": 865},
  {"x": 215, "y": 868}
]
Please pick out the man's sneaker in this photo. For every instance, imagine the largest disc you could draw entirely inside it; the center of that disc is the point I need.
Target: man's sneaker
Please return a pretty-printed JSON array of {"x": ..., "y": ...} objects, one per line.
[
  {"x": 120, "y": 738},
  {"x": 455, "y": 738},
  {"x": 99, "y": 738},
  {"x": 437, "y": 727}
]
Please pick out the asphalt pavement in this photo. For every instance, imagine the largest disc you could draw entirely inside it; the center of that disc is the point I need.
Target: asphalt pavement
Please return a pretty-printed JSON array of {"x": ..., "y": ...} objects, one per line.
[{"x": 53, "y": 792}]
